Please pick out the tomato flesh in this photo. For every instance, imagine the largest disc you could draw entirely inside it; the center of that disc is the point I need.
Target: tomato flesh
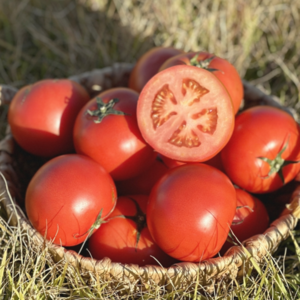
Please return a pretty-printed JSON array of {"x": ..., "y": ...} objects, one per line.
[{"x": 185, "y": 113}]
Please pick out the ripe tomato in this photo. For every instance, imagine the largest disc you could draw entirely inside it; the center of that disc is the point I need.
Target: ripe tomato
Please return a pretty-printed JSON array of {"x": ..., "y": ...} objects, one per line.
[
  {"x": 143, "y": 183},
  {"x": 185, "y": 113},
  {"x": 42, "y": 116},
  {"x": 125, "y": 237},
  {"x": 65, "y": 197},
  {"x": 220, "y": 67},
  {"x": 148, "y": 65},
  {"x": 251, "y": 218},
  {"x": 106, "y": 130},
  {"x": 215, "y": 161},
  {"x": 259, "y": 154},
  {"x": 190, "y": 211}
]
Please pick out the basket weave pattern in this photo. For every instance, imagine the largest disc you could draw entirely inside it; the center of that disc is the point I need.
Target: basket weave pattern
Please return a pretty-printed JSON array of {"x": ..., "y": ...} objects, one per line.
[{"x": 182, "y": 275}]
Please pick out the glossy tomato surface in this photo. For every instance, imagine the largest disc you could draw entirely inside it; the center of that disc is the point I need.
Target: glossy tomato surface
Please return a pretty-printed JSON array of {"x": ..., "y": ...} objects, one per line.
[
  {"x": 251, "y": 218},
  {"x": 190, "y": 211},
  {"x": 148, "y": 65},
  {"x": 108, "y": 132},
  {"x": 218, "y": 66},
  {"x": 264, "y": 140},
  {"x": 185, "y": 113},
  {"x": 125, "y": 237},
  {"x": 42, "y": 115},
  {"x": 65, "y": 197}
]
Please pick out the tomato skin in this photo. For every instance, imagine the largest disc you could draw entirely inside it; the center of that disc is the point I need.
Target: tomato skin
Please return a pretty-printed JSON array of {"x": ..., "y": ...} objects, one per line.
[
  {"x": 68, "y": 193},
  {"x": 185, "y": 113},
  {"x": 249, "y": 220},
  {"x": 220, "y": 67},
  {"x": 190, "y": 211},
  {"x": 148, "y": 65},
  {"x": 144, "y": 182},
  {"x": 117, "y": 239},
  {"x": 215, "y": 161},
  {"x": 116, "y": 142},
  {"x": 261, "y": 131},
  {"x": 42, "y": 115}
]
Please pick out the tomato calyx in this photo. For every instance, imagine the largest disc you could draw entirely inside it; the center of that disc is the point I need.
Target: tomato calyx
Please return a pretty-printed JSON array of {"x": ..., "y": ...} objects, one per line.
[
  {"x": 204, "y": 64},
  {"x": 277, "y": 164},
  {"x": 95, "y": 226},
  {"x": 139, "y": 219},
  {"x": 104, "y": 109}
]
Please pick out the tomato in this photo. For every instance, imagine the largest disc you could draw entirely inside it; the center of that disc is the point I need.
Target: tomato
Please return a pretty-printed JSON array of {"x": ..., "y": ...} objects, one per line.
[
  {"x": 275, "y": 202},
  {"x": 190, "y": 210},
  {"x": 220, "y": 67},
  {"x": 106, "y": 130},
  {"x": 148, "y": 65},
  {"x": 185, "y": 113},
  {"x": 125, "y": 237},
  {"x": 215, "y": 161},
  {"x": 42, "y": 115},
  {"x": 251, "y": 218},
  {"x": 143, "y": 183},
  {"x": 66, "y": 196},
  {"x": 261, "y": 154}
]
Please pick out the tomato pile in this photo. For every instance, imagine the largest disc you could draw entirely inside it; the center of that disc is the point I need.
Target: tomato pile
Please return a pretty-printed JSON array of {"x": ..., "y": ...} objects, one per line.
[{"x": 165, "y": 170}]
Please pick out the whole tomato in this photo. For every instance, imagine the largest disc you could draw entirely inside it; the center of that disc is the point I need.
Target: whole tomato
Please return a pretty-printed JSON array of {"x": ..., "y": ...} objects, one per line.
[
  {"x": 263, "y": 152},
  {"x": 185, "y": 113},
  {"x": 106, "y": 130},
  {"x": 42, "y": 115},
  {"x": 148, "y": 65},
  {"x": 66, "y": 197},
  {"x": 143, "y": 183},
  {"x": 251, "y": 218},
  {"x": 125, "y": 237},
  {"x": 220, "y": 67},
  {"x": 190, "y": 211}
]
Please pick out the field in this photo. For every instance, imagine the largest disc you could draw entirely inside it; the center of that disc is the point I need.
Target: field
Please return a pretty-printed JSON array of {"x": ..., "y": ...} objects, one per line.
[{"x": 60, "y": 38}]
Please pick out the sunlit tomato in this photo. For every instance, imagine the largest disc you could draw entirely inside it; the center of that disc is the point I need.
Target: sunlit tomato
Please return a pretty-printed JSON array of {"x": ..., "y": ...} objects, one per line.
[
  {"x": 185, "y": 113},
  {"x": 106, "y": 130},
  {"x": 42, "y": 115},
  {"x": 261, "y": 154},
  {"x": 143, "y": 183},
  {"x": 251, "y": 218},
  {"x": 125, "y": 237},
  {"x": 66, "y": 196},
  {"x": 190, "y": 211},
  {"x": 220, "y": 67},
  {"x": 148, "y": 65}
]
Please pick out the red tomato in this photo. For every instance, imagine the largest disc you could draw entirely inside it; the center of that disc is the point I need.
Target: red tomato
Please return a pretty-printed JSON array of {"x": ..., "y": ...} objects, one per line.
[
  {"x": 215, "y": 161},
  {"x": 251, "y": 218},
  {"x": 125, "y": 237},
  {"x": 65, "y": 197},
  {"x": 148, "y": 65},
  {"x": 143, "y": 183},
  {"x": 275, "y": 202},
  {"x": 264, "y": 140},
  {"x": 220, "y": 67},
  {"x": 190, "y": 211},
  {"x": 42, "y": 116},
  {"x": 185, "y": 113},
  {"x": 106, "y": 130}
]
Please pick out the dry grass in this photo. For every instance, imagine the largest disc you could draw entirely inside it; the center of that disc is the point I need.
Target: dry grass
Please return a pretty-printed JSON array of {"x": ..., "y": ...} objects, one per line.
[{"x": 59, "y": 38}]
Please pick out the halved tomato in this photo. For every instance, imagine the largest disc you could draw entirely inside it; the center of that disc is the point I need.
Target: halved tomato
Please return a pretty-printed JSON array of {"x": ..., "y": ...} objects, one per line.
[{"x": 185, "y": 113}]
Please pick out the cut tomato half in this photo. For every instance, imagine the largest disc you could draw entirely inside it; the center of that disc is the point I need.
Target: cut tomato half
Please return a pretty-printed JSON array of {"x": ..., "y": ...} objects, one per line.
[{"x": 185, "y": 113}]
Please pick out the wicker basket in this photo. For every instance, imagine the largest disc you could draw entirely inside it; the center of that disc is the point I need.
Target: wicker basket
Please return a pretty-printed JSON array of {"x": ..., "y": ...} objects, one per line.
[{"x": 17, "y": 168}]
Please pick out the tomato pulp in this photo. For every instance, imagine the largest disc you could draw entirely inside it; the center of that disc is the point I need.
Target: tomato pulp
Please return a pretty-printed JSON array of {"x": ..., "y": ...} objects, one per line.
[{"x": 185, "y": 113}]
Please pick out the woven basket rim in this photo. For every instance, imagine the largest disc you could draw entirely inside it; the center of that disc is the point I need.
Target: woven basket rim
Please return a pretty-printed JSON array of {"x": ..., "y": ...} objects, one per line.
[{"x": 180, "y": 275}]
